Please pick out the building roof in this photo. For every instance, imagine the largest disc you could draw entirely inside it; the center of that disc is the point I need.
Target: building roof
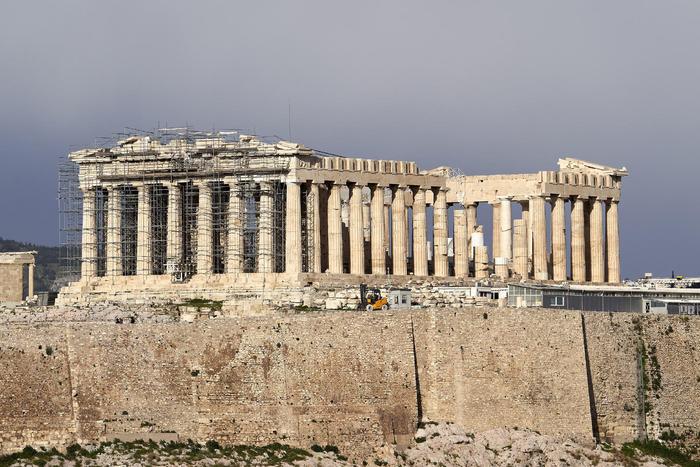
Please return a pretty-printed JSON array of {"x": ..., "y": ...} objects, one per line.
[
  {"x": 602, "y": 289},
  {"x": 20, "y": 257}
]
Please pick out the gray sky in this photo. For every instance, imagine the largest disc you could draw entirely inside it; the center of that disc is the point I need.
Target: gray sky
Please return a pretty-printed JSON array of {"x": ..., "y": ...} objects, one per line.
[{"x": 489, "y": 87}]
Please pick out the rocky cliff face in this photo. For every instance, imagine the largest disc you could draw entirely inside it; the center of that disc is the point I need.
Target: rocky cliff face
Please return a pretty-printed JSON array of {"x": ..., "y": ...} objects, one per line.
[{"x": 359, "y": 381}]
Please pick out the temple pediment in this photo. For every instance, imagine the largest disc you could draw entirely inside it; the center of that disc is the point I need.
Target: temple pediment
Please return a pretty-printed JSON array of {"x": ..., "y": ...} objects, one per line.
[{"x": 569, "y": 164}]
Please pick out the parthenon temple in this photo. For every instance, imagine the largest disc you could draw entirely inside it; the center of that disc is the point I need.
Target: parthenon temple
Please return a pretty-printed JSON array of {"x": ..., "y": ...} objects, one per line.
[{"x": 228, "y": 209}]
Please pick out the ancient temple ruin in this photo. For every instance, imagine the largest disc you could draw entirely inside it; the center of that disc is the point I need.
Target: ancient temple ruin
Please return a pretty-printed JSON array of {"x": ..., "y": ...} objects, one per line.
[{"x": 184, "y": 211}]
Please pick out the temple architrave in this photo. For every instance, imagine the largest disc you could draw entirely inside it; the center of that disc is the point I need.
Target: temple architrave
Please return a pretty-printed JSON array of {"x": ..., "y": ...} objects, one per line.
[{"x": 227, "y": 212}]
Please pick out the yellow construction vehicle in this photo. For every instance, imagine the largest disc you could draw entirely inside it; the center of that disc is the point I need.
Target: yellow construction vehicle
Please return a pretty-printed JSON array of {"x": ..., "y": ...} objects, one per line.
[{"x": 372, "y": 300}]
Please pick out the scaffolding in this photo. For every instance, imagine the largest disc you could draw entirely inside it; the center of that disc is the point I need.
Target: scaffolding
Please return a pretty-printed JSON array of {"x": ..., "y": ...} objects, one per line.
[{"x": 132, "y": 209}]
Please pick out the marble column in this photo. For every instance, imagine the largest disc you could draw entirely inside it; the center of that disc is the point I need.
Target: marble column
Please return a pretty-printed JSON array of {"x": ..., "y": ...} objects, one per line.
[
  {"x": 377, "y": 235},
  {"x": 398, "y": 231},
  {"x": 335, "y": 231},
  {"x": 315, "y": 234},
  {"x": 114, "y": 231},
  {"x": 520, "y": 259},
  {"x": 88, "y": 266},
  {"x": 357, "y": 238},
  {"x": 587, "y": 236},
  {"x": 234, "y": 249},
  {"x": 539, "y": 237},
  {"x": 559, "y": 238},
  {"x": 143, "y": 234},
  {"x": 265, "y": 229},
  {"x": 387, "y": 232},
  {"x": 597, "y": 242},
  {"x": 613, "y": 241},
  {"x": 460, "y": 243},
  {"x": 578, "y": 241},
  {"x": 367, "y": 231},
  {"x": 481, "y": 262},
  {"x": 292, "y": 224},
  {"x": 471, "y": 225},
  {"x": 440, "y": 232},
  {"x": 420, "y": 253},
  {"x": 496, "y": 230},
  {"x": 505, "y": 242},
  {"x": 477, "y": 238},
  {"x": 30, "y": 280},
  {"x": 204, "y": 229},
  {"x": 174, "y": 245},
  {"x": 525, "y": 206}
]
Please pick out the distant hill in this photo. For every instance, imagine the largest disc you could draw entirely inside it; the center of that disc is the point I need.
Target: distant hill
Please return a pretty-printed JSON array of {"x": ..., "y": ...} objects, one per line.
[{"x": 46, "y": 261}]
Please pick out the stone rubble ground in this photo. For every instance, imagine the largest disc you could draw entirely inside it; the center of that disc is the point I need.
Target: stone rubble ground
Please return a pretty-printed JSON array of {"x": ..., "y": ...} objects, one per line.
[
  {"x": 348, "y": 298},
  {"x": 102, "y": 312},
  {"x": 442, "y": 444}
]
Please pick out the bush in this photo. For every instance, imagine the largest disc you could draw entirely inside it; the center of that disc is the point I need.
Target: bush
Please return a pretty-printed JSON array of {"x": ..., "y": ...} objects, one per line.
[
  {"x": 658, "y": 449},
  {"x": 29, "y": 451},
  {"x": 73, "y": 450},
  {"x": 212, "y": 445}
]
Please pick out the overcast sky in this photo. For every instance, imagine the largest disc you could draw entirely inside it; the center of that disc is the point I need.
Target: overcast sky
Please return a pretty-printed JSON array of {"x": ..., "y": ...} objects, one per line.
[{"x": 485, "y": 86}]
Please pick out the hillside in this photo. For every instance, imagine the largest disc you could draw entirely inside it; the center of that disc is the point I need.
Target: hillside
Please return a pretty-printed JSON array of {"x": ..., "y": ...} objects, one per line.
[{"x": 46, "y": 261}]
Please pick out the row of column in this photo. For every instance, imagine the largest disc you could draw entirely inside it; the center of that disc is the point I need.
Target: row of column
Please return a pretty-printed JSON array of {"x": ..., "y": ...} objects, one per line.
[
  {"x": 203, "y": 256},
  {"x": 358, "y": 223},
  {"x": 594, "y": 249},
  {"x": 378, "y": 228},
  {"x": 519, "y": 246}
]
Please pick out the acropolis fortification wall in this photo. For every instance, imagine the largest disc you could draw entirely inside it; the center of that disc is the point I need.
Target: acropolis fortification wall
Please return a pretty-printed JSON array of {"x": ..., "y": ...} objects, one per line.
[{"x": 354, "y": 380}]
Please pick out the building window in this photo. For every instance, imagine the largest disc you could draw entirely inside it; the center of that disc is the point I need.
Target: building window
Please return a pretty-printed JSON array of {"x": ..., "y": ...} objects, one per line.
[{"x": 557, "y": 301}]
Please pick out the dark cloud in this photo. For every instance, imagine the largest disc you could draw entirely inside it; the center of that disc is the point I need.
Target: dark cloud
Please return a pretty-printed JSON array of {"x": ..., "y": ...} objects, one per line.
[{"x": 484, "y": 86}]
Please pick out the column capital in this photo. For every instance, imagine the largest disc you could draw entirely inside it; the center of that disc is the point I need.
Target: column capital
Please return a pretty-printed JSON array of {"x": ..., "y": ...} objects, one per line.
[
  {"x": 417, "y": 188},
  {"x": 504, "y": 198},
  {"x": 265, "y": 183}
]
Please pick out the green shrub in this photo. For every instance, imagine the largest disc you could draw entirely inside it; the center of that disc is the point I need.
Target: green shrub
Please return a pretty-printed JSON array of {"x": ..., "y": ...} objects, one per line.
[
  {"x": 213, "y": 445},
  {"x": 658, "y": 449}
]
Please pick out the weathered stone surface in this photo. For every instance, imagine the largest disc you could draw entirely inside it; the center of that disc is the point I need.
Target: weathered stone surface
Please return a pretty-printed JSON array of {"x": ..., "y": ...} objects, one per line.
[{"x": 349, "y": 378}]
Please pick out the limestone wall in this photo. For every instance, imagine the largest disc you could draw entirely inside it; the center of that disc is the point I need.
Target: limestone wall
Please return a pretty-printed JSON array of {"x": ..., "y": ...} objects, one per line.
[
  {"x": 11, "y": 282},
  {"x": 302, "y": 381},
  {"x": 348, "y": 379},
  {"x": 672, "y": 347},
  {"x": 646, "y": 375},
  {"x": 612, "y": 348},
  {"x": 484, "y": 368}
]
